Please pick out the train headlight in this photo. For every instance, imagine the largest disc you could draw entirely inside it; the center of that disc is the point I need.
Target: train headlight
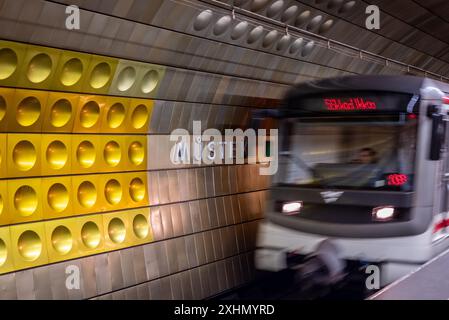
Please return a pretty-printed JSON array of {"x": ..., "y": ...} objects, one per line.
[
  {"x": 291, "y": 207},
  {"x": 383, "y": 213}
]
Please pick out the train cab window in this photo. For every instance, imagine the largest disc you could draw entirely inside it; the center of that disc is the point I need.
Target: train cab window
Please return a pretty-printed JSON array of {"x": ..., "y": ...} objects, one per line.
[{"x": 349, "y": 154}]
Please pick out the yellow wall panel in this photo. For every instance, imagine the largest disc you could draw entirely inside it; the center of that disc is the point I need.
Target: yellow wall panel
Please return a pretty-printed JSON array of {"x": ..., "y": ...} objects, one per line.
[
  {"x": 86, "y": 153},
  {"x": 57, "y": 196},
  {"x": 4, "y": 210},
  {"x": 3, "y": 155},
  {"x": 116, "y": 230},
  {"x": 137, "y": 189},
  {"x": 60, "y": 112},
  {"x": 56, "y": 154},
  {"x": 100, "y": 73},
  {"x": 88, "y": 114},
  {"x": 27, "y": 112},
  {"x": 39, "y": 67},
  {"x": 112, "y": 192},
  {"x": 61, "y": 240},
  {"x": 25, "y": 200},
  {"x": 6, "y": 254},
  {"x": 113, "y": 155},
  {"x": 139, "y": 115},
  {"x": 6, "y": 104},
  {"x": 125, "y": 82},
  {"x": 12, "y": 55},
  {"x": 89, "y": 234},
  {"x": 71, "y": 71},
  {"x": 86, "y": 194},
  {"x": 24, "y": 155},
  {"x": 140, "y": 226},
  {"x": 136, "y": 152},
  {"x": 114, "y": 115},
  {"x": 148, "y": 81},
  {"x": 28, "y": 244}
]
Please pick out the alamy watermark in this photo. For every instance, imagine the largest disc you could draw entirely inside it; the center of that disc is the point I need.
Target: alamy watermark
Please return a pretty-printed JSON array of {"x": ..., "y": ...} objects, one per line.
[
  {"x": 372, "y": 281},
  {"x": 235, "y": 147},
  {"x": 373, "y": 19},
  {"x": 73, "y": 280},
  {"x": 72, "y": 22}
]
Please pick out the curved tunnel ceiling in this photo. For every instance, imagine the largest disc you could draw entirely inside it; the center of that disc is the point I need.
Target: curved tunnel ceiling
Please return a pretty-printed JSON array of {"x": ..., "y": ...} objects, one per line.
[{"x": 184, "y": 60}]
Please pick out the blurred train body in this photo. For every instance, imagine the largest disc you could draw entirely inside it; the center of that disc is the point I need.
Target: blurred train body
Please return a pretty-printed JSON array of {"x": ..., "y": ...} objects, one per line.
[{"x": 363, "y": 165}]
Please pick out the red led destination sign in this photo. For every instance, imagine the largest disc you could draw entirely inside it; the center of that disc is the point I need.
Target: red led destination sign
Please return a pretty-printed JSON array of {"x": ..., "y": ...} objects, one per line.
[{"x": 351, "y": 104}]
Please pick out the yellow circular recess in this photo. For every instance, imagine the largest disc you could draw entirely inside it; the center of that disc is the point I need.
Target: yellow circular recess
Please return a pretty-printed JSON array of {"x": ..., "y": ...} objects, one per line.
[
  {"x": 113, "y": 192},
  {"x": 126, "y": 79},
  {"x": 140, "y": 226},
  {"x": 87, "y": 194},
  {"x": 116, "y": 115},
  {"x": 3, "y": 107},
  {"x": 150, "y": 81},
  {"x": 112, "y": 153},
  {"x": 71, "y": 72},
  {"x": 25, "y": 201},
  {"x": 39, "y": 68},
  {"x": 89, "y": 115},
  {"x": 90, "y": 234},
  {"x": 28, "y": 111},
  {"x": 24, "y": 155},
  {"x": 8, "y": 63},
  {"x": 3, "y": 252},
  {"x": 57, "y": 154},
  {"x": 117, "y": 230},
  {"x": 61, "y": 240},
  {"x": 61, "y": 113},
  {"x": 137, "y": 190},
  {"x": 136, "y": 153},
  {"x": 85, "y": 154},
  {"x": 29, "y": 246},
  {"x": 139, "y": 116},
  {"x": 58, "y": 197},
  {"x": 100, "y": 75}
]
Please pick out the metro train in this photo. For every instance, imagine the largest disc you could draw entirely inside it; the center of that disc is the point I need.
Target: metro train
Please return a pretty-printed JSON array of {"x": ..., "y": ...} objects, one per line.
[{"x": 363, "y": 177}]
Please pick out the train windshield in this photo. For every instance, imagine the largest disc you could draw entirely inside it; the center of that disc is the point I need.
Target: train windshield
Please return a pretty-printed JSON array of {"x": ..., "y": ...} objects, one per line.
[{"x": 373, "y": 154}]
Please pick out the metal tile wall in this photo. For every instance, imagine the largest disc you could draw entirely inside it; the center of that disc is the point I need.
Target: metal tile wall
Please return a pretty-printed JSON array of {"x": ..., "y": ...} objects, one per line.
[
  {"x": 186, "y": 247},
  {"x": 395, "y": 40},
  {"x": 204, "y": 219}
]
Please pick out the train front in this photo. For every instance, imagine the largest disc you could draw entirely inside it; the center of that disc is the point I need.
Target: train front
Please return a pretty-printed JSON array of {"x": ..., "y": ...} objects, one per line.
[{"x": 355, "y": 185}]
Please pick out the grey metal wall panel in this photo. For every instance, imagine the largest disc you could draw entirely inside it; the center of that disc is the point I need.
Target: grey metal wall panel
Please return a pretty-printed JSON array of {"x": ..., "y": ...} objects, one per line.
[
  {"x": 138, "y": 258},
  {"x": 152, "y": 261},
  {"x": 221, "y": 214},
  {"x": 216, "y": 242},
  {"x": 25, "y": 285},
  {"x": 191, "y": 251},
  {"x": 161, "y": 257},
  {"x": 180, "y": 245},
  {"x": 156, "y": 223},
  {"x": 200, "y": 248},
  {"x": 212, "y": 213},
  {"x": 167, "y": 223},
  {"x": 176, "y": 218},
  {"x": 176, "y": 286},
  {"x": 8, "y": 289},
  {"x": 195, "y": 214},
  {"x": 197, "y": 289},
  {"x": 186, "y": 218}
]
